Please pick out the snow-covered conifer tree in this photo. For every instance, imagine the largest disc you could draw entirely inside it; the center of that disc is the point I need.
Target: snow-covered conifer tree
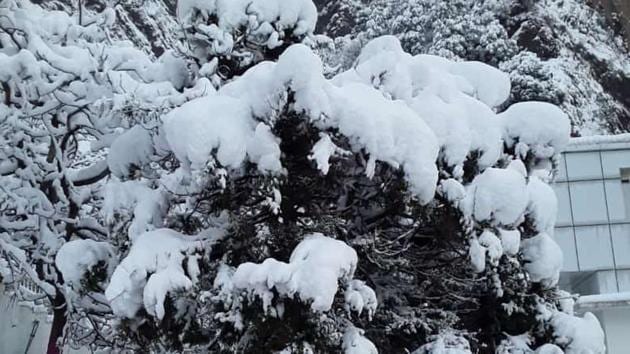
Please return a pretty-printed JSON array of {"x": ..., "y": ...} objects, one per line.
[
  {"x": 271, "y": 208},
  {"x": 387, "y": 208}
]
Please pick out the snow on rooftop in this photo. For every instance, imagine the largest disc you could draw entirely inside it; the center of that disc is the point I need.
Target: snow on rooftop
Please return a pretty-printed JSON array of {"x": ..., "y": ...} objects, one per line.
[
  {"x": 604, "y": 300},
  {"x": 584, "y": 141}
]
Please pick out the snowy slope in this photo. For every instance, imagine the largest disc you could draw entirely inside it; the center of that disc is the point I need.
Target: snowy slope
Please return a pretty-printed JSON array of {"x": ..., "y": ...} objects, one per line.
[{"x": 590, "y": 66}]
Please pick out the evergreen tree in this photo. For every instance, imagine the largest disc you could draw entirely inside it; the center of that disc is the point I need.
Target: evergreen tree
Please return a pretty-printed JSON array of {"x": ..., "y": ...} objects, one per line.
[{"x": 276, "y": 206}]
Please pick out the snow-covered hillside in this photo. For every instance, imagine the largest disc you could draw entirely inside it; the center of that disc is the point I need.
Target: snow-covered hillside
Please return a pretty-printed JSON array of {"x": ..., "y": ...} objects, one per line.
[{"x": 563, "y": 52}]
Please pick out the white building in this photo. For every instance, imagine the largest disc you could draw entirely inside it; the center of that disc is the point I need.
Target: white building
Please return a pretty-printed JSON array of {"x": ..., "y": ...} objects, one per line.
[{"x": 593, "y": 229}]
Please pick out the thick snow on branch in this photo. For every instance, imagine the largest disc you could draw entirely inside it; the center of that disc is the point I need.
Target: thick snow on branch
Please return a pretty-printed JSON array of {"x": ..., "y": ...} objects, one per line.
[
  {"x": 543, "y": 204},
  {"x": 134, "y": 198},
  {"x": 543, "y": 259},
  {"x": 75, "y": 258},
  {"x": 403, "y": 110},
  {"x": 539, "y": 127},
  {"x": 265, "y": 20},
  {"x": 153, "y": 268},
  {"x": 497, "y": 194},
  {"x": 445, "y": 343},
  {"x": 355, "y": 343},
  {"x": 132, "y": 149},
  {"x": 578, "y": 335},
  {"x": 197, "y": 128},
  {"x": 313, "y": 273}
]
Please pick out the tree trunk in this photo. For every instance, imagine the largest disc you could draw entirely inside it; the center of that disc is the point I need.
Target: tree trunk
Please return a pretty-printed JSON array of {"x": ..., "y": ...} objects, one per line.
[{"x": 59, "y": 322}]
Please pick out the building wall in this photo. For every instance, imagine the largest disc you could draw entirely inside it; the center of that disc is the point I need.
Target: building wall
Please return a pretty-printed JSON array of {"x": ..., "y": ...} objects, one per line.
[
  {"x": 593, "y": 229},
  {"x": 615, "y": 322},
  {"x": 16, "y": 324},
  {"x": 593, "y": 226}
]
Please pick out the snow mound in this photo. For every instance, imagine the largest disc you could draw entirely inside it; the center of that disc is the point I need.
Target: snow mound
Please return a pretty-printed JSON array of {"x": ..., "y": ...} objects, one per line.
[
  {"x": 543, "y": 259},
  {"x": 543, "y": 128},
  {"x": 578, "y": 335},
  {"x": 152, "y": 269},
  {"x": 497, "y": 194},
  {"x": 77, "y": 257},
  {"x": 359, "y": 297},
  {"x": 224, "y": 124},
  {"x": 132, "y": 149},
  {"x": 355, "y": 343},
  {"x": 314, "y": 270},
  {"x": 543, "y": 204}
]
